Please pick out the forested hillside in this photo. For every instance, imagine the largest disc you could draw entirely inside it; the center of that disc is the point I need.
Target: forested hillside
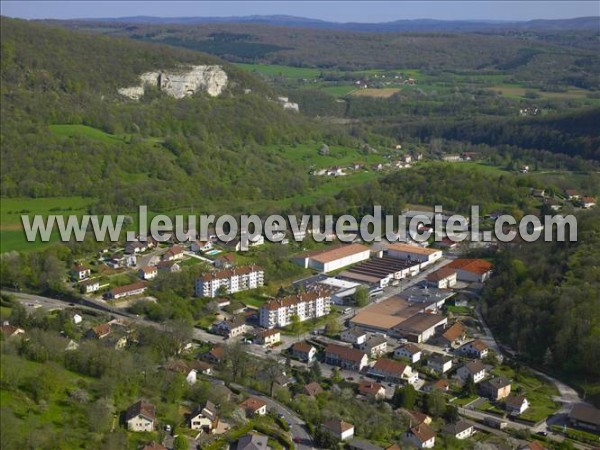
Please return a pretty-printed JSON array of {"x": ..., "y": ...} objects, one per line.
[
  {"x": 543, "y": 301},
  {"x": 56, "y": 84},
  {"x": 530, "y": 56}
]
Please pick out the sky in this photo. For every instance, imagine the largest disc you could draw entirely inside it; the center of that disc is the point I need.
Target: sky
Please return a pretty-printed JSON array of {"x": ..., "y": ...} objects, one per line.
[{"x": 336, "y": 11}]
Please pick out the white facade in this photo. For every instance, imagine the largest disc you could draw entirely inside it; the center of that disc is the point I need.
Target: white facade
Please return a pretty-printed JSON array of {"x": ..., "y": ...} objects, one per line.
[
  {"x": 422, "y": 255},
  {"x": 403, "y": 352},
  {"x": 140, "y": 423},
  {"x": 308, "y": 305},
  {"x": 336, "y": 264},
  {"x": 233, "y": 280}
]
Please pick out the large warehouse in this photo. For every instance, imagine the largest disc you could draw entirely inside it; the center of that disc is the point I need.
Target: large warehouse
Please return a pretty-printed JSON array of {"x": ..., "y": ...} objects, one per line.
[
  {"x": 424, "y": 256},
  {"x": 385, "y": 315},
  {"x": 420, "y": 327},
  {"x": 381, "y": 272},
  {"x": 334, "y": 258}
]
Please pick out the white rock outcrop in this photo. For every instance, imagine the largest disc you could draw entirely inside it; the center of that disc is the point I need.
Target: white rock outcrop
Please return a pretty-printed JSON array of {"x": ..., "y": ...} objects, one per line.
[{"x": 181, "y": 82}]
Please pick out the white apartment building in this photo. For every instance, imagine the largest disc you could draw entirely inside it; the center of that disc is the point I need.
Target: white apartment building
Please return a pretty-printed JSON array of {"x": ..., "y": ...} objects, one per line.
[
  {"x": 308, "y": 305},
  {"x": 233, "y": 280}
]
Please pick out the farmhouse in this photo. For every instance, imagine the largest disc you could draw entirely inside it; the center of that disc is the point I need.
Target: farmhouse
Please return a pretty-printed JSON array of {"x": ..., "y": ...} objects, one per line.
[
  {"x": 136, "y": 288},
  {"x": 471, "y": 270},
  {"x": 345, "y": 357},
  {"x": 141, "y": 416},
  {"x": 334, "y": 258},
  {"x": 424, "y": 256},
  {"x": 307, "y": 305},
  {"x": 232, "y": 280},
  {"x": 443, "y": 278}
]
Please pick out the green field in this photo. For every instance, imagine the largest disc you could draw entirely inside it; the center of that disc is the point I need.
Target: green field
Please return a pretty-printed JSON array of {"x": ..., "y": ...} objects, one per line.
[
  {"x": 519, "y": 91},
  {"x": 84, "y": 131},
  {"x": 12, "y": 236},
  {"x": 281, "y": 71}
]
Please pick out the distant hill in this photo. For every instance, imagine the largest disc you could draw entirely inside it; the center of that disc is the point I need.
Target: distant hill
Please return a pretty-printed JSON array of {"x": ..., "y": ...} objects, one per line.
[
  {"x": 66, "y": 130},
  {"x": 417, "y": 25}
]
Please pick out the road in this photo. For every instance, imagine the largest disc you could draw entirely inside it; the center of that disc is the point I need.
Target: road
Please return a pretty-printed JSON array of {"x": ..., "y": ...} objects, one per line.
[{"x": 297, "y": 425}]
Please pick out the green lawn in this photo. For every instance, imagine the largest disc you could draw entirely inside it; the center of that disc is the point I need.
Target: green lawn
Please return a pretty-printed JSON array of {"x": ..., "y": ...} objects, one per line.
[
  {"x": 70, "y": 131},
  {"x": 538, "y": 392},
  {"x": 12, "y": 236}
]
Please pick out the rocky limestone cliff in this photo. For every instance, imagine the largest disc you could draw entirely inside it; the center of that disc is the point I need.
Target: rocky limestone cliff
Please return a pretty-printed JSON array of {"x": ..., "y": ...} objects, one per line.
[{"x": 182, "y": 82}]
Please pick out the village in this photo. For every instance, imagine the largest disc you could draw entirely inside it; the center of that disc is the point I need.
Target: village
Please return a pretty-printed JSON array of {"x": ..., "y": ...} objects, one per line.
[{"x": 380, "y": 320}]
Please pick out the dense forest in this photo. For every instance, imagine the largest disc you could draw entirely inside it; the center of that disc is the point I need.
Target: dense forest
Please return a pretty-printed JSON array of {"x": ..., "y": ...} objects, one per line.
[
  {"x": 544, "y": 300},
  {"x": 527, "y": 57},
  {"x": 207, "y": 147}
]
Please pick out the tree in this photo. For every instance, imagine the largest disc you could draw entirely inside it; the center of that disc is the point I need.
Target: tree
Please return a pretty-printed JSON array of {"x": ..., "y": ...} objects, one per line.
[
  {"x": 469, "y": 387},
  {"x": 361, "y": 296},
  {"x": 332, "y": 327},
  {"x": 271, "y": 372},
  {"x": 180, "y": 443},
  {"x": 405, "y": 397},
  {"x": 295, "y": 327},
  {"x": 315, "y": 372},
  {"x": 435, "y": 403}
]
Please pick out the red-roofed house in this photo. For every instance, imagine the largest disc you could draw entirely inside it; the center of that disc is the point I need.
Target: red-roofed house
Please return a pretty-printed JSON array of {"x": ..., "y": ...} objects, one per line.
[
  {"x": 174, "y": 253},
  {"x": 253, "y": 406},
  {"x": 394, "y": 371},
  {"x": 345, "y": 357},
  {"x": 471, "y": 270},
  {"x": 443, "y": 278},
  {"x": 370, "y": 389},
  {"x": 422, "y": 436}
]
